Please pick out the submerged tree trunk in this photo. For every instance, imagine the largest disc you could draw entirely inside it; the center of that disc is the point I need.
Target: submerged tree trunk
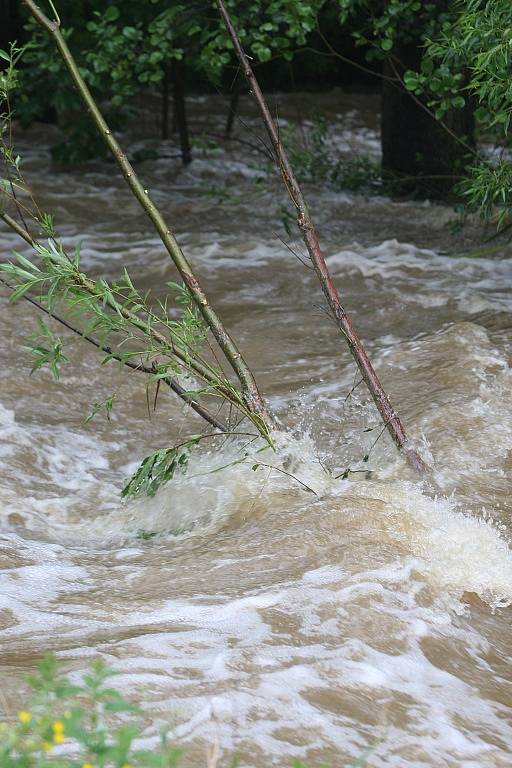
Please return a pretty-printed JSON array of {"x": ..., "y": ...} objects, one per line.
[
  {"x": 180, "y": 112},
  {"x": 420, "y": 154}
]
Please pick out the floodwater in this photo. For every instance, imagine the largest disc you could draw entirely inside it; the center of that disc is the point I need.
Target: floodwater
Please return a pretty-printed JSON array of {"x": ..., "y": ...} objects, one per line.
[{"x": 270, "y": 621}]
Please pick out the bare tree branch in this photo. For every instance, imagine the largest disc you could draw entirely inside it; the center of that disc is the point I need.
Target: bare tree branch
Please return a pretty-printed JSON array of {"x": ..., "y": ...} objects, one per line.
[{"x": 310, "y": 237}]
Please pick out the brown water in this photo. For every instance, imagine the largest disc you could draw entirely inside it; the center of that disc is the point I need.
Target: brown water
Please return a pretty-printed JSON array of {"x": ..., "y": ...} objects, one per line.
[{"x": 277, "y": 623}]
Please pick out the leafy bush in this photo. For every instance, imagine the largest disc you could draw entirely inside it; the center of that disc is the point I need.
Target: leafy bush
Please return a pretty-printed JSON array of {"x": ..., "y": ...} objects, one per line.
[{"x": 315, "y": 161}]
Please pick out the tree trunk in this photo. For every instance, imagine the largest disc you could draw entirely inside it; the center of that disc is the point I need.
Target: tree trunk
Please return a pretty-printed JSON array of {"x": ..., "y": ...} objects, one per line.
[
  {"x": 165, "y": 103},
  {"x": 9, "y": 23},
  {"x": 419, "y": 154},
  {"x": 180, "y": 113},
  {"x": 233, "y": 109}
]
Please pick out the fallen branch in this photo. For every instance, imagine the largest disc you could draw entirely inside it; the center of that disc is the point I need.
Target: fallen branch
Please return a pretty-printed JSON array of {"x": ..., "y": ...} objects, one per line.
[{"x": 310, "y": 237}]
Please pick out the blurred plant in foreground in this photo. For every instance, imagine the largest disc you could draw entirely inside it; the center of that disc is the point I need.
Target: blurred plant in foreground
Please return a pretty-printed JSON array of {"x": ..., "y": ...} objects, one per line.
[{"x": 91, "y": 725}]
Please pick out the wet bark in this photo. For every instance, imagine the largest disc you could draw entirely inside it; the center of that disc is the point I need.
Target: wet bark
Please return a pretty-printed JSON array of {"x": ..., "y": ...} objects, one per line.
[
  {"x": 180, "y": 112},
  {"x": 309, "y": 234}
]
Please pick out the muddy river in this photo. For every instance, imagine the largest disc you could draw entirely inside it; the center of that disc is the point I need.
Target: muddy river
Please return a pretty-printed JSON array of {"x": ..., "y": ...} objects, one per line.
[{"x": 273, "y": 622}]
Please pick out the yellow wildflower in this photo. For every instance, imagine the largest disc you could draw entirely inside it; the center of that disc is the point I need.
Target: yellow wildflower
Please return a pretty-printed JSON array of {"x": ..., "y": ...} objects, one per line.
[
  {"x": 24, "y": 716},
  {"x": 47, "y": 746},
  {"x": 87, "y": 765},
  {"x": 58, "y": 726}
]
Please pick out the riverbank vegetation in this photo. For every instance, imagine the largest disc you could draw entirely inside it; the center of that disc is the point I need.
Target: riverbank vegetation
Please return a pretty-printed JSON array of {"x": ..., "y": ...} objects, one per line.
[{"x": 439, "y": 66}]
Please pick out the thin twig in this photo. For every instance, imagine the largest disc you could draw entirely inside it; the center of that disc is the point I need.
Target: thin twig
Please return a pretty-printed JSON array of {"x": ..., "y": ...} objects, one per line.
[
  {"x": 299, "y": 258},
  {"x": 288, "y": 474}
]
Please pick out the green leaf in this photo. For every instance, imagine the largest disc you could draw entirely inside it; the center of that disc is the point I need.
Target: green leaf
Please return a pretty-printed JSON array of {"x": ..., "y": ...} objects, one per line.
[
  {"x": 158, "y": 468},
  {"x": 105, "y": 405},
  {"x": 112, "y": 13}
]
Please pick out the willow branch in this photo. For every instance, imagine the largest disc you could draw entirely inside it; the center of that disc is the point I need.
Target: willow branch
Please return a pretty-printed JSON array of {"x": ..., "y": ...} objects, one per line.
[
  {"x": 171, "y": 383},
  {"x": 133, "y": 319},
  {"x": 201, "y": 369},
  {"x": 252, "y": 395},
  {"x": 310, "y": 237}
]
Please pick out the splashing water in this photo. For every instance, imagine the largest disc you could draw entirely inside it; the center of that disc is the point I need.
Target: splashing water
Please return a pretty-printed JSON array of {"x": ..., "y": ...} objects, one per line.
[{"x": 240, "y": 606}]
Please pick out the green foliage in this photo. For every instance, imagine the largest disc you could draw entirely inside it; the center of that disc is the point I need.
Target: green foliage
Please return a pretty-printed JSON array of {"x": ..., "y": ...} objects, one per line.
[
  {"x": 111, "y": 308},
  {"x": 444, "y": 87},
  {"x": 308, "y": 151},
  {"x": 168, "y": 339},
  {"x": 50, "y": 355},
  {"x": 130, "y": 48},
  {"x": 469, "y": 59},
  {"x": 477, "y": 39},
  {"x": 68, "y": 725},
  {"x": 43, "y": 92},
  {"x": 356, "y": 173},
  {"x": 105, "y": 405},
  {"x": 123, "y": 47},
  {"x": 265, "y": 29},
  {"x": 158, "y": 468},
  {"x": 9, "y": 75},
  {"x": 380, "y": 26},
  {"x": 123, "y": 317},
  {"x": 488, "y": 191},
  {"x": 315, "y": 160}
]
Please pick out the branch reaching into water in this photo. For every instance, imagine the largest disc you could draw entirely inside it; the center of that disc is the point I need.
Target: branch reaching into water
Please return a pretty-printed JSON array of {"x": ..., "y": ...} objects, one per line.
[
  {"x": 310, "y": 237},
  {"x": 251, "y": 392},
  {"x": 168, "y": 381}
]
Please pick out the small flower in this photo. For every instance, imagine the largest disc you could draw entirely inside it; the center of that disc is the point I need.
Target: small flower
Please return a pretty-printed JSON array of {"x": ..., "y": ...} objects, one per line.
[
  {"x": 24, "y": 716},
  {"x": 47, "y": 746},
  {"x": 87, "y": 765},
  {"x": 58, "y": 732}
]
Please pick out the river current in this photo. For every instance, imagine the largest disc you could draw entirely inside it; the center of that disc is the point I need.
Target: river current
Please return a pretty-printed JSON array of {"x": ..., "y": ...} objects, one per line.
[{"x": 270, "y": 621}]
